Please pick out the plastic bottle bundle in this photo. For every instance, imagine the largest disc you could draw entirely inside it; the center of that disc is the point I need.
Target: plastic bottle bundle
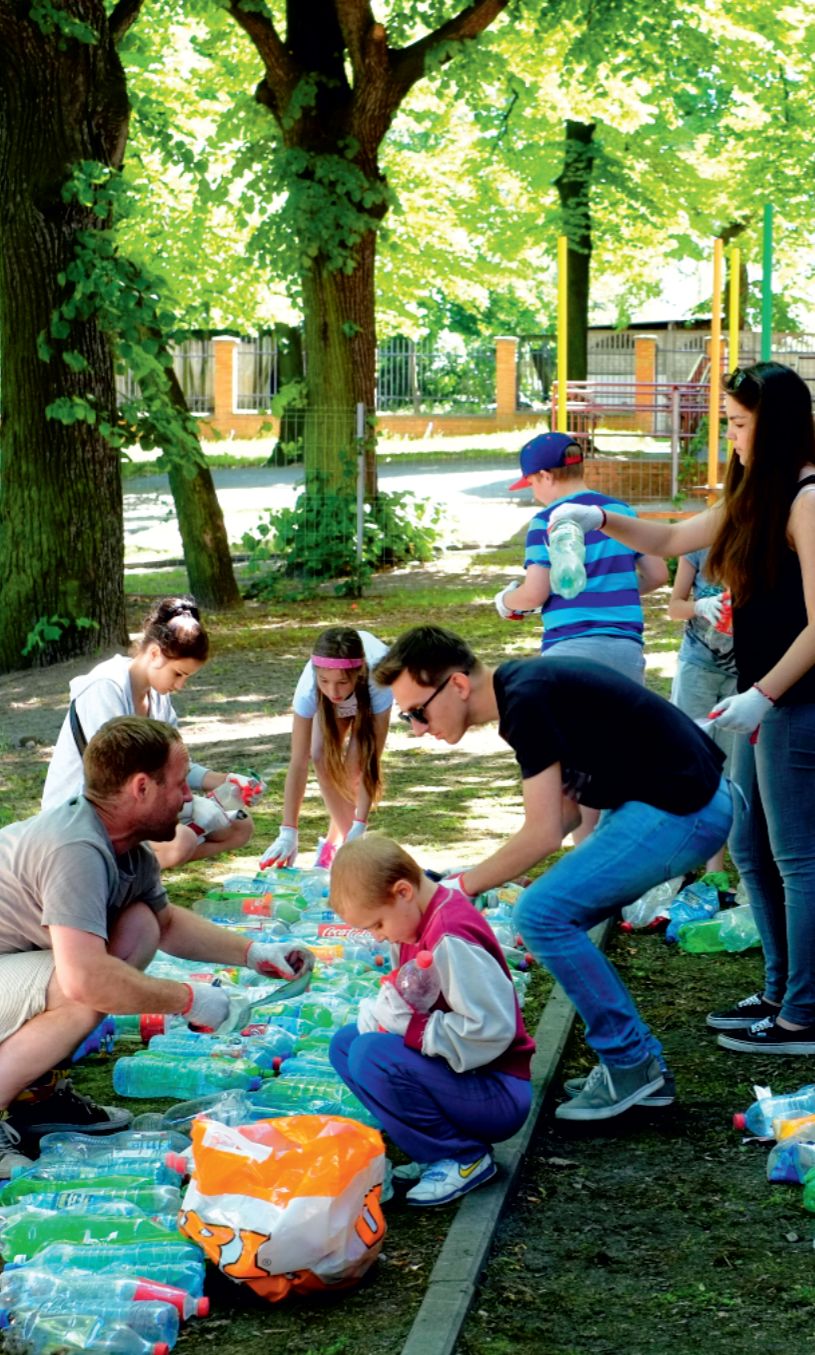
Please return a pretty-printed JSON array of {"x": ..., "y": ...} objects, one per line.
[
  {"x": 567, "y": 556},
  {"x": 25, "y": 1286},
  {"x": 758, "y": 1118},
  {"x": 152, "y": 1075},
  {"x": 45, "y": 1334},
  {"x": 155, "y": 1322},
  {"x": 732, "y": 929},
  {"x": 793, "y": 1157},
  {"x": 175, "y": 1261},
  {"x": 154, "y": 1201},
  {"x": 72, "y": 1177},
  {"x": 26, "y": 1235},
  {"x": 652, "y": 908},
  {"x": 695, "y": 903}
]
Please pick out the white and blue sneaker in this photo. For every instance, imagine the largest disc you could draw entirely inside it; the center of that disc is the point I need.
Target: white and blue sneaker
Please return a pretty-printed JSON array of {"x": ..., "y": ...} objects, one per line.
[{"x": 443, "y": 1181}]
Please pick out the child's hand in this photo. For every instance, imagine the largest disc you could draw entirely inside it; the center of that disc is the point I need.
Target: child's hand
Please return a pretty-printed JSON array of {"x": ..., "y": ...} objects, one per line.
[{"x": 391, "y": 1011}]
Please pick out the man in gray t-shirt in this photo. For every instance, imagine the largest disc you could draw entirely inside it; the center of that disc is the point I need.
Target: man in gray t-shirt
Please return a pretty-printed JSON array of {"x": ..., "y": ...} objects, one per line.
[{"x": 82, "y": 913}]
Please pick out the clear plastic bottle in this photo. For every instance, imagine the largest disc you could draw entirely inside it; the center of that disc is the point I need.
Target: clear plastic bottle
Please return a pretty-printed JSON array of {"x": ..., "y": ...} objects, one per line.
[
  {"x": 695, "y": 903},
  {"x": 417, "y": 982},
  {"x": 176, "y": 1261},
  {"x": 25, "y": 1236},
  {"x": 732, "y": 929},
  {"x": 567, "y": 556},
  {"x": 652, "y": 907},
  {"x": 135, "y": 1144},
  {"x": 758, "y": 1118},
  {"x": 47, "y": 1334},
  {"x": 148, "y": 1075},
  {"x": 151, "y": 1200},
  {"x": 153, "y": 1321},
  {"x": 25, "y": 1285}
]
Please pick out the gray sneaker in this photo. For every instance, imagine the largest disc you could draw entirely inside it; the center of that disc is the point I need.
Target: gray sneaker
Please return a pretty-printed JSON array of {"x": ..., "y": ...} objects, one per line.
[
  {"x": 666, "y": 1095},
  {"x": 610, "y": 1091},
  {"x": 9, "y": 1156}
]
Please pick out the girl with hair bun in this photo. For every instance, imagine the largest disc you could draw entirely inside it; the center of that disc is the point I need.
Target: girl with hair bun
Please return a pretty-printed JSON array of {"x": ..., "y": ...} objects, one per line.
[
  {"x": 173, "y": 646},
  {"x": 340, "y": 724}
]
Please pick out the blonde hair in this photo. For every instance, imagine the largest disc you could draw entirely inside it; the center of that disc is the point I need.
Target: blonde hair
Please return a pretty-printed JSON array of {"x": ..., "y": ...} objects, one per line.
[
  {"x": 341, "y": 642},
  {"x": 366, "y": 870}
]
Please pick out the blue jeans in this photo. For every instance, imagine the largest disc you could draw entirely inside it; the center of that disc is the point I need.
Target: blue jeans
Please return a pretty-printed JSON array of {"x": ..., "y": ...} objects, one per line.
[
  {"x": 773, "y": 845},
  {"x": 633, "y": 848},
  {"x": 430, "y": 1111},
  {"x": 615, "y": 651}
]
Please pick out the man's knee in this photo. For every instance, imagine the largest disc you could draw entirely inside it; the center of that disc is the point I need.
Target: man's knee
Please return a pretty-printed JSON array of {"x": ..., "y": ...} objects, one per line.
[{"x": 539, "y": 917}]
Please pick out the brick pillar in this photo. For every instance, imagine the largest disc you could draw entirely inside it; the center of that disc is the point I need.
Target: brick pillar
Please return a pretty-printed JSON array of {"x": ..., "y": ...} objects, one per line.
[
  {"x": 224, "y": 348},
  {"x": 506, "y": 376},
  {"x": 645, "y": 375}
]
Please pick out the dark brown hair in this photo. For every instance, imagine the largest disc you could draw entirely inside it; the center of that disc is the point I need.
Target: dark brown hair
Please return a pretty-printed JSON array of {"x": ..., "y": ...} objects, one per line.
[
  {"x": 749, "y": 546},
  {"x": 123, "y": 746},
  {"x": 174, "y": 624},
  {"x": 428, "y": 654},
  {"x": 341, "y": 642}
]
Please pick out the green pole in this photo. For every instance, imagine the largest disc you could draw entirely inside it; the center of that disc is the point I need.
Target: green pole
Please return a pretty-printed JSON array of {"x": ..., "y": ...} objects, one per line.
[{"x": 767, "y": 286}]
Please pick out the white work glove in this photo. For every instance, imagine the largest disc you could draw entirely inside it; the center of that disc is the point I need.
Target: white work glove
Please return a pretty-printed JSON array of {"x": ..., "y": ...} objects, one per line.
[
  {"x": 504, "y": 607},
  {"x": 366, "y": 1016},
  {"x": 391, "y": 1011},
  {"x": 208, "y": 1006},
  {"x": 357, "y": 828},
  {"x": 283, "y": 851},
  {"x": 454, "y": 882},
  {"x": 278, "y": 959},
  {"x": 250, "y": 788},
  {"x": 204, "y": 815},
  {"x": 588, "y": 516},
  {"x": 709, "y": 608},
  {"x": 743, "y": 712}
]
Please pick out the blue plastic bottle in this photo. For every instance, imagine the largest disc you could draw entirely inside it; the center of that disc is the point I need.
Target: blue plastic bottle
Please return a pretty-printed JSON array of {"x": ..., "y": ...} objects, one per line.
[
  {"x": 176, "y": 1262},
  {"x": 29, "y": 1285},
  {"x": 152, "y": 1321},
  {"x": 758, "y": 1118},
  {"x": 44, "y": 1334}
]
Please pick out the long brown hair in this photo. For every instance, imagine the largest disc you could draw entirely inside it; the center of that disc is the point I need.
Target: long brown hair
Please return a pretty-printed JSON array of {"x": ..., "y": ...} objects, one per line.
[
  {"x": 749, "y": 546},
  {"x": 340, "y": 642}
]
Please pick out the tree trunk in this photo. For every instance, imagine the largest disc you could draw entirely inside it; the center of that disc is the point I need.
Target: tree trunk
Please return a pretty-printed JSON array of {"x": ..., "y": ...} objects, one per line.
[
  {"x": 61, "y": 526},
  {"x": 574, "y": 188}
]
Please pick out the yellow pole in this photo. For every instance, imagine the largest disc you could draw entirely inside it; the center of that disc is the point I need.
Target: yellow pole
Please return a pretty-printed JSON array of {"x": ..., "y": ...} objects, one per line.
[
  {"x": 735, "y": 265},
  {"x": 562, "y": 330},
  {"x": 715, "y": 375}
]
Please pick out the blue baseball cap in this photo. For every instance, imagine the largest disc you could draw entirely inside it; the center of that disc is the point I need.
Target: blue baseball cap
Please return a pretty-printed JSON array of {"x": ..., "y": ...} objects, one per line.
[{"x": 546, "y": 452}]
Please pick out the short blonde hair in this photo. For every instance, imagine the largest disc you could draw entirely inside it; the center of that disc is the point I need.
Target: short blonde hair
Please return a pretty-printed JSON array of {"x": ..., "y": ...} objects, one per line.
[{"x": 366, "y": 869}]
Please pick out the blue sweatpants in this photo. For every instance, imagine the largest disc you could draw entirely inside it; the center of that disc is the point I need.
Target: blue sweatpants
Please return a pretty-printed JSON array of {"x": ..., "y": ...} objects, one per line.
[{"x": 429, "y": 1111}]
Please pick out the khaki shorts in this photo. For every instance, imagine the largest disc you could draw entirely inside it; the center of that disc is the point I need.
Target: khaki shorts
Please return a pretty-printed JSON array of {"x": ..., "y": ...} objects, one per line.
[{"x": 24, "y": 979}]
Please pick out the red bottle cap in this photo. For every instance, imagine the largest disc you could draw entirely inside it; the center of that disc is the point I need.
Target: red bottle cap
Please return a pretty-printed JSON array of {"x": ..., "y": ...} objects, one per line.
[
  {"x": 424, "y": 959},
  {"x": 177, "y": 1162},
  {"x": 161, "y": 1348},
  {"x": 379, "y": 961},
  {"x": 150, "y": 1024},
  {"x": 202, "y": 1307},
  {"x": 739, "y": 1120}
]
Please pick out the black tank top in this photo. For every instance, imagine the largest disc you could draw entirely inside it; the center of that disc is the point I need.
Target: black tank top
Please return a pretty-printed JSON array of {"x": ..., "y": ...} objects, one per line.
[{"x": 765, "y": 627}]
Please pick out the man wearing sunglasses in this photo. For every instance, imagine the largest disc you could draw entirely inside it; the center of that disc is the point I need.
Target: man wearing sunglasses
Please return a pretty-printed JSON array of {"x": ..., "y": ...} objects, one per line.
[{"x": 582, "y": 734}]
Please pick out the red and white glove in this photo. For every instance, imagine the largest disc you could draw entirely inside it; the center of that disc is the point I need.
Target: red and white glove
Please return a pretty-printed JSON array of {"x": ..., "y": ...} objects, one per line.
[
  {"x": 743, "y": 712},
  {"x": 250, "y": 788},
  {"x": 588, "y": 516},
  {"x": 357, "y": 828},
  {"x": 207, "y": 1006},
  {"x": 709, "y": 608},
  {"x": 204, "y": 815},
  {"x": 279, "y": 961},
  {"x": 504, "y": 607},
  {"x": 283, "y": 851},
  {"x": 391, "y": 1011}
]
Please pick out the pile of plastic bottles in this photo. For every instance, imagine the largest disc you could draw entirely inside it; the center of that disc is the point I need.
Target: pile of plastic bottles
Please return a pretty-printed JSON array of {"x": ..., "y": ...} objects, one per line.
[
  {"x": 93, "y": 1257},
  {"x": 789, "y": 1119},
  {"x": 693, "y": 917}
]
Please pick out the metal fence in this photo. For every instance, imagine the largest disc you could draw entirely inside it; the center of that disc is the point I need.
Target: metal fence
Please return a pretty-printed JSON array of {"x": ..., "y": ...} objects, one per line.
[
  {"x": 427, "y": 376},
  {"x": 535, "y": 370},
  {"x": 193, "y": 365}
]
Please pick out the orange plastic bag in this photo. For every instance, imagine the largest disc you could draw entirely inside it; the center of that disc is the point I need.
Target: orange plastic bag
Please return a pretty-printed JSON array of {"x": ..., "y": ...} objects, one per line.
[{"x": 291, "y": 1204}]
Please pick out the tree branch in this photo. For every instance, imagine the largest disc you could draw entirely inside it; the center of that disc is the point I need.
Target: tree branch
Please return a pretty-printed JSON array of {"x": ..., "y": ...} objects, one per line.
[
  {"x": 282, "y": 74},
  {"x": 408, "y": 65},
  {"x": 124, "y": 15},
  {"x": 356, "y": 20}
]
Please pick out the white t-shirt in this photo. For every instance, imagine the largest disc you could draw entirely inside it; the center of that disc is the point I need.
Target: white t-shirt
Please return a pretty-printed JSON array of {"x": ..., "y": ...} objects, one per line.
[
  {"x": 304, "y": 701},
  {"x": 99, "y": 695}
]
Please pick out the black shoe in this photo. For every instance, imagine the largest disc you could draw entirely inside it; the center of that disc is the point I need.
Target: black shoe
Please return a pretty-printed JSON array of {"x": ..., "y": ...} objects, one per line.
[
  {"x": 767, "y": 1037},
  {"x": 64, "y": 1111},
  {"x": 745, "y": 1013}
]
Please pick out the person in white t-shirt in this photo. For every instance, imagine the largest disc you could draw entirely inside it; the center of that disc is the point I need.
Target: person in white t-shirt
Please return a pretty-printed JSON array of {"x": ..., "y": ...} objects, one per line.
[
  {"x": 344, "y": 742},
  {"x": 173, "y": 646}
]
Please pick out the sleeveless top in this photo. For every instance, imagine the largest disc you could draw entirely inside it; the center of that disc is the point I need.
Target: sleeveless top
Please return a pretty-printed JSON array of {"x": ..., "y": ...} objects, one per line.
[{"x": 766, "y": 626}]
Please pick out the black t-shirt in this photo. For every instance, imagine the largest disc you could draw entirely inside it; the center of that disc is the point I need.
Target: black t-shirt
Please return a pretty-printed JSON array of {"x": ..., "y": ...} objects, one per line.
[{"x": 614, "y": 740}]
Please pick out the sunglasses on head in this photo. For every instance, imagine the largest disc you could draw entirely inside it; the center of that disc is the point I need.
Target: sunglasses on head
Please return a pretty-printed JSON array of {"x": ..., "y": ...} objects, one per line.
[
  {"x": 737, "y": 378},
  {"x": 419, "y": 713}
]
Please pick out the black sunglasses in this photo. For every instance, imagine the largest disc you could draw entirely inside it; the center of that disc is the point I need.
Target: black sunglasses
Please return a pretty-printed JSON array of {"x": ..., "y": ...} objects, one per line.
[
  {"x": 737, "y": 378},
  {"x": 419, "y": 713}
]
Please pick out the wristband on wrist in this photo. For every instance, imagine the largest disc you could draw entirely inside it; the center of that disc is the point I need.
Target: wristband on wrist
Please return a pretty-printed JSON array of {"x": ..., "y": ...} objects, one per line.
[
  {"x": 766, "y": 695},
  {"x": 190, "y": 999},
  {"x": 249, "y": 945},
  {"x": 605, "y": 518}
]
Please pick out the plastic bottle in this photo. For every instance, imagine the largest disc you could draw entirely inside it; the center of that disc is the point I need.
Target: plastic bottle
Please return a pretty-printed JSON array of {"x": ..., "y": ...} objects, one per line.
[
  {"x": 417, "y": 982},
  {"x": 695, "y": 903},
  {"x": 25, "y": 1284},
  {"x": 150, "y": 1199},
  {"x": 135, "y": 1145},
  {"x": 652, "y": 907},
  {"x": 758, "y": 1118},
  {"x": 567, "y": 555},
  {"x": 153, "y": 1321},
  {"x": 793, "y": 1158},
  {"x": 69, "y": 1176},
  {"x": 36, "y": 1228},
  {"x": 148, "y": 1075},
  {"x": 176, "y": 1262},
  {"x": 44, "y": 1335},
  {"x": 733, "y": 929}
]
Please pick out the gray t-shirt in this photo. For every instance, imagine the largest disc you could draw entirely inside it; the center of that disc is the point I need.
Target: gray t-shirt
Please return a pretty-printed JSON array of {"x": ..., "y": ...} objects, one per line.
[{"x": 59, "y": 869}]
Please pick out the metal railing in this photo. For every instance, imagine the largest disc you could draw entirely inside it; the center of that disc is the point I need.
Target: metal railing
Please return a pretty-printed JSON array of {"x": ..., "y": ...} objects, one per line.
[
  {"x": 256, "y": 374},
  {"x": 427, "y": 377}
]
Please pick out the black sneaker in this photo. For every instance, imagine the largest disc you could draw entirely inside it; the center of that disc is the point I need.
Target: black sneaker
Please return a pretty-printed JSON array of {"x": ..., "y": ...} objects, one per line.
[
  {"x": 663, "y": 1096},
  {"x": 767, "y": 1037},
  {"x": 64, "y": 1111},
  {"x": 745, "y": 1013}
]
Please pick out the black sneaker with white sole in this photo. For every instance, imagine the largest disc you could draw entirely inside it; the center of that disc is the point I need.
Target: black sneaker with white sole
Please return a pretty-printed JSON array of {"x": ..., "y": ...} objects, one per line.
[
  {"x": 663, "y": 1096},
  {"x": 745, "y": 1013},
  {"x": 64, "y": 1111},
  {"x": 767, "y": 1037}
]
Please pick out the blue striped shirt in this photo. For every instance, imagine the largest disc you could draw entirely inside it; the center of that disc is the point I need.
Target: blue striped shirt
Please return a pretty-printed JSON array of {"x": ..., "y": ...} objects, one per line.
[{"x": 610, "y": 603}]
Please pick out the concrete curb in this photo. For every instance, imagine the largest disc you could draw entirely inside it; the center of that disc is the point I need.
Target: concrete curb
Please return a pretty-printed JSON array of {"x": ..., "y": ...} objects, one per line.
[{"x": 454, "y": 1277}]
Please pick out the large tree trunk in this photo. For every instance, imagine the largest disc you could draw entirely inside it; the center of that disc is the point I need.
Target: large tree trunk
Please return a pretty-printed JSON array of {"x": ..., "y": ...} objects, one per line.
[
  {"x": 61, "y": 532},
  {"x": 574, "y": 187}
]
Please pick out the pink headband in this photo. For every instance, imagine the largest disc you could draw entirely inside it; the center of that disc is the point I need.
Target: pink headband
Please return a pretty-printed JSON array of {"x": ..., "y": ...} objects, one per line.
[{"x": 320, "y": 662}]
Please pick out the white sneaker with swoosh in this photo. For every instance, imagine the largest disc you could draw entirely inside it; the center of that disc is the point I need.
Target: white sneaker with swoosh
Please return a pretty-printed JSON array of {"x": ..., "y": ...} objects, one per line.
[{"x": 445, "y": 1180}]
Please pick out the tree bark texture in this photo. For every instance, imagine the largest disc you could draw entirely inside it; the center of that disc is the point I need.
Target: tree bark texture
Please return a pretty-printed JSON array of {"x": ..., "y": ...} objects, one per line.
[
  {"x": 61, "y": 523},
  {"x": 574, "y": 189}
]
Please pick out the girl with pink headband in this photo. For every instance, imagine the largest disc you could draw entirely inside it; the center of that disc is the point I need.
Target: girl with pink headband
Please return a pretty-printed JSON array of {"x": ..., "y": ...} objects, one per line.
[{"x": 340, "y": 724}]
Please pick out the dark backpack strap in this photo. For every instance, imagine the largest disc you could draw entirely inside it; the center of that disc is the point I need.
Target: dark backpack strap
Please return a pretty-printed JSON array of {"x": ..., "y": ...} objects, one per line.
[{"x": 76, "y": 729}]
